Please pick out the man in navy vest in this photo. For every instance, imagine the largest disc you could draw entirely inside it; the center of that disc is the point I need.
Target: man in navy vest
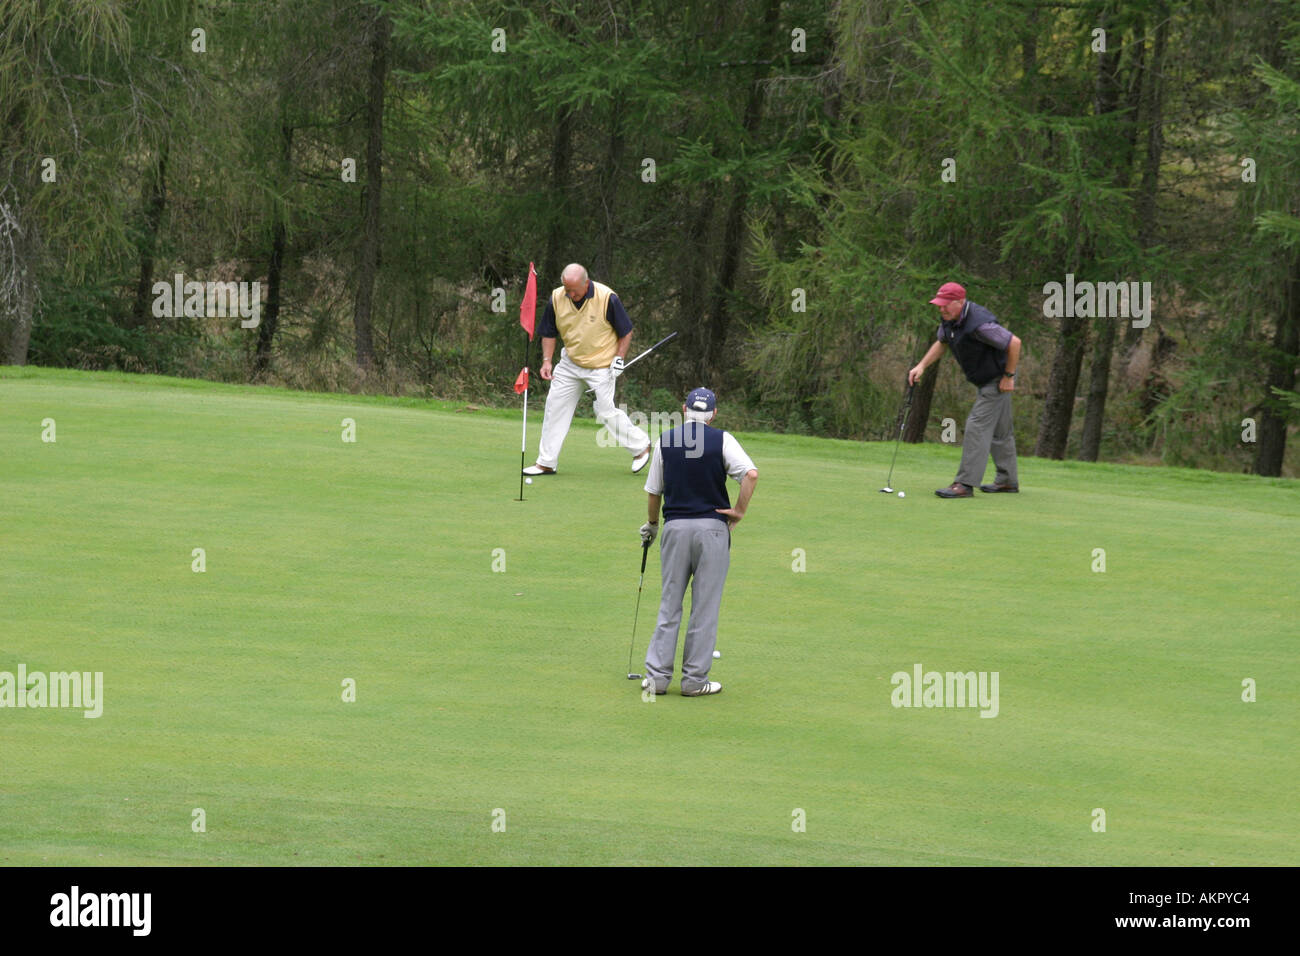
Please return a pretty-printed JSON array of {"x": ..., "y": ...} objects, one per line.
[
  {"x": 988, "y": 354},
  {"x": 689, "y": 473}
]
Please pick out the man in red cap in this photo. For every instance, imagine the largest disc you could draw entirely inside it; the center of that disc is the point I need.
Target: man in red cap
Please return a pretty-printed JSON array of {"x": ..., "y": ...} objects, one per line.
[{"x": 988, "y": 354}]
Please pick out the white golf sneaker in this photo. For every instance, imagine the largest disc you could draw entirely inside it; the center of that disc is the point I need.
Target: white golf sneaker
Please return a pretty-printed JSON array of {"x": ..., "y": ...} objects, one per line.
[
  {"x": 712, "y": 687},
  {"x": 641, "y": 460}
]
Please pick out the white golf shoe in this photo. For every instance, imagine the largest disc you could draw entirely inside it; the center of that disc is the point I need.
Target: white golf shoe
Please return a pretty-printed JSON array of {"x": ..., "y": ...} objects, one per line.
[
  {"x": 641, "y": 460},
  {"x": 712, "y": 687}
]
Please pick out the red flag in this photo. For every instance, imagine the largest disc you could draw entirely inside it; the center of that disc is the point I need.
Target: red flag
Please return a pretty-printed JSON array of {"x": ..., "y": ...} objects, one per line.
[
  {"x": 521, "y": 383},
  {"x": 528, "y": 308}
]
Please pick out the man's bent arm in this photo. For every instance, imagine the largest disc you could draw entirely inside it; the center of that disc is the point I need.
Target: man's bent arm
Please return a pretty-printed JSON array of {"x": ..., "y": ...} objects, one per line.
[
  {"x": 1013, "y": 354},
  {"x": 929, "y": 359},
  {"x": 746, "y": 490}
]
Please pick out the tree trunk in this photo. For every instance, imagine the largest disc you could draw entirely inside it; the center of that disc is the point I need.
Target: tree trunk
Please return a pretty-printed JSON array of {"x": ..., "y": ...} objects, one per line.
[
  {"x": 609, "y": 182},
  {"x": 275, "y": 267},
  {"x": 733, "y": 230},
  {"x": 153, "y": 201},
  {"x": 1283, "y": 359},
  {"x": 1058, "y": 409},
  {"x": 1153, "y": 111},
  {"x": 1104, "y": 350},
  {"x": 1098, "y": 385},
  {"x": 694, "y": 287},
  {"x": 561, "y": 161},
  {"x": 720, "y": 300},
  {"x": 21, "y": 329},
  {"x": 271, "y": 315},
  {"x": 1107, "y": 95},
  {"x": 18, "y": 245},
  {"x": 922, "y": 396},
  {"x": 381, "y": 31},
  {"x": 1155, "y": 387}
]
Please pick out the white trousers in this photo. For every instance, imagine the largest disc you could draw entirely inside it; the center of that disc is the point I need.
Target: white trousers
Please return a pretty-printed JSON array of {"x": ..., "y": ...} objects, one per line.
[{"x": 568, "y": 381}]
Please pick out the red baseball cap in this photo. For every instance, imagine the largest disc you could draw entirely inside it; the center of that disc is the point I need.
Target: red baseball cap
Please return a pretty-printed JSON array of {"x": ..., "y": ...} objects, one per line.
[{"x": 948, "y": 292}]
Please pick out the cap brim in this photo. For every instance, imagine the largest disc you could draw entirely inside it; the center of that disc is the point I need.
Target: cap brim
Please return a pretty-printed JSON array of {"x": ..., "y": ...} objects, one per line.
[{"x": 940, "y": 300}]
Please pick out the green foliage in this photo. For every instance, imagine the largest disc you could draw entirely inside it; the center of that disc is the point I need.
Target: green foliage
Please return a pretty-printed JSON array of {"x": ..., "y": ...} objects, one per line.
[
  {"x": 907, "y": 145},
  {"x": 82, "y": 326}
]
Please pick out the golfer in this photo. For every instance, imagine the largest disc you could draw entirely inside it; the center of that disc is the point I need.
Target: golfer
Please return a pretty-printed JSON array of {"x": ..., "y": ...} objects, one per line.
[
  {"x": 988, "y": 354},
  {"x": 689, "y": 473},
  {"x": 597, "y": 333}
]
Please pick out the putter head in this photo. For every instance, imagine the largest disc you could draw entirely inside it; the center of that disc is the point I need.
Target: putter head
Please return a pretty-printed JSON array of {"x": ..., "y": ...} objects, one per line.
[
  {"x": 633, "y": 676},
  {"x": 887, "y": 491}
]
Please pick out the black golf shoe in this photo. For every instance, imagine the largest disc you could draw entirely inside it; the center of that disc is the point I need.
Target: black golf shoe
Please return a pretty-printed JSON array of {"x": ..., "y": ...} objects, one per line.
[
  {"x": 995, "y": 489},
  {"x": 956, "y": 490}
]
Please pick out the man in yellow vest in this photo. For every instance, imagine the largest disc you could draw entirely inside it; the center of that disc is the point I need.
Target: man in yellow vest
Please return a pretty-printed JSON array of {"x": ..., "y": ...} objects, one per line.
[{"x": 597, "y": 333}]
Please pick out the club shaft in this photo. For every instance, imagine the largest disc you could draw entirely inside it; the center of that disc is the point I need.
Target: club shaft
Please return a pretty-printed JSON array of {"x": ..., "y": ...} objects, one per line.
[
  {"x": 903, "y": 414},
  {"x": 631, "y": 647},
  {"x": 628, "y": 365},
  {"x": 645, "y": 552}
]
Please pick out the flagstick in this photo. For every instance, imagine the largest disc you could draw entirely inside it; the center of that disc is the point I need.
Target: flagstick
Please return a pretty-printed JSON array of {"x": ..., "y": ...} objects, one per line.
[
  {"x": 528, "y": 304},
  {"x": 523, "y": 444}
]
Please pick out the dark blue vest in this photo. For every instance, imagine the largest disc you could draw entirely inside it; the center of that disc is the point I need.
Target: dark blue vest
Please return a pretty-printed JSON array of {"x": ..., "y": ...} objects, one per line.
[
  {"x": 981, "y": 362},
  {"x": 695, "y": 473}
]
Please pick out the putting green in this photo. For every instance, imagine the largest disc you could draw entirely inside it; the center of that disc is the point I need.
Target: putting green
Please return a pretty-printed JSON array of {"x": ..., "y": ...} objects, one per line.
[{"x": 499, "y": 696}]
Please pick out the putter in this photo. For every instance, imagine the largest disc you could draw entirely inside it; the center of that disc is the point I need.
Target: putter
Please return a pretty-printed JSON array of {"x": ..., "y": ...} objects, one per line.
[
  {"x": 667, "y": 338},
  {"x": 645, "y": 551},
  {"x": 902, "y": 423}
]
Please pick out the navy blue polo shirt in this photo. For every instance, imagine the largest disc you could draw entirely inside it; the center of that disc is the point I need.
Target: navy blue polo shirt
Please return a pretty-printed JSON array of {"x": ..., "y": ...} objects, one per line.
[{"x": 615, "y": 315}]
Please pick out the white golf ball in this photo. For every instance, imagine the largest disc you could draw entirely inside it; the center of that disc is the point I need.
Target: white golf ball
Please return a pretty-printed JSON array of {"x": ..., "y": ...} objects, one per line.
[
  {"x": 717, "y": 654},
  {"x": 901, "y": 495},
  {"x": 528, "y": 481}
]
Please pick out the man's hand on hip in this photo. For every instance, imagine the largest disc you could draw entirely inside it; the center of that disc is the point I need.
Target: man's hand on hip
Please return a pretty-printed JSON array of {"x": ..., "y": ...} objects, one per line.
[
  {"x": 733, "y": 516},
  {"x": 1007, "y": 385}
]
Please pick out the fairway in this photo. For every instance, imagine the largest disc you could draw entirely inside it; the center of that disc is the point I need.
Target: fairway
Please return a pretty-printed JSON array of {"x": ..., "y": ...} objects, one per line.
[{"x": 485, "y": 695}]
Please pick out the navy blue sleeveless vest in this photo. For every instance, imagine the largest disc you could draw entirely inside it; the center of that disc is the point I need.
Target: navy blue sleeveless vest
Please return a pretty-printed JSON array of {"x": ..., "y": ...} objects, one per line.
[
  {"x": 981, "y": 362},
  {"x": 695, "y": 473}
]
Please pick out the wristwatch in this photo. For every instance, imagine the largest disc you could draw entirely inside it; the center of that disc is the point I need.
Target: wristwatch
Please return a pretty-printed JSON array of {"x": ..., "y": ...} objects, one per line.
[{"x": 1008, "y": 374}]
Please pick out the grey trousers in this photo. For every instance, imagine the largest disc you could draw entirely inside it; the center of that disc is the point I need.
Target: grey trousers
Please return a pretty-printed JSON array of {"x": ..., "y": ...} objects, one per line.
[
  {"x": 989, "y": 429},
  {"x": 696, "y": 550}
]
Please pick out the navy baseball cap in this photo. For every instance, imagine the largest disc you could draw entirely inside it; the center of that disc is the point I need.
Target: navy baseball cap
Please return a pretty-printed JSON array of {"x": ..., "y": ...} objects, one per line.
[{"x": 701, "y": 400}]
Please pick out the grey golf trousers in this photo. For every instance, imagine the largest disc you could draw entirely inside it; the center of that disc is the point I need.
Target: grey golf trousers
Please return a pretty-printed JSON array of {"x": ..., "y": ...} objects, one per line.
[
  {"x": 988, "y": 428},
  {"x": 696, "y": 550}
]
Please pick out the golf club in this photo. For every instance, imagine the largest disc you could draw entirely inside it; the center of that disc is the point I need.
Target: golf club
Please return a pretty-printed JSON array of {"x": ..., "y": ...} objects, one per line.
[
  {"x": 667, "y": 338},
  {"x": 902, "y": 423},
  {"x": 645, "y": 551}
]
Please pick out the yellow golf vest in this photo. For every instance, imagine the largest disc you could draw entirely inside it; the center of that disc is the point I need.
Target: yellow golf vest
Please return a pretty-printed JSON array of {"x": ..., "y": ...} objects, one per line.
[{"x": 590, "y": 340}]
